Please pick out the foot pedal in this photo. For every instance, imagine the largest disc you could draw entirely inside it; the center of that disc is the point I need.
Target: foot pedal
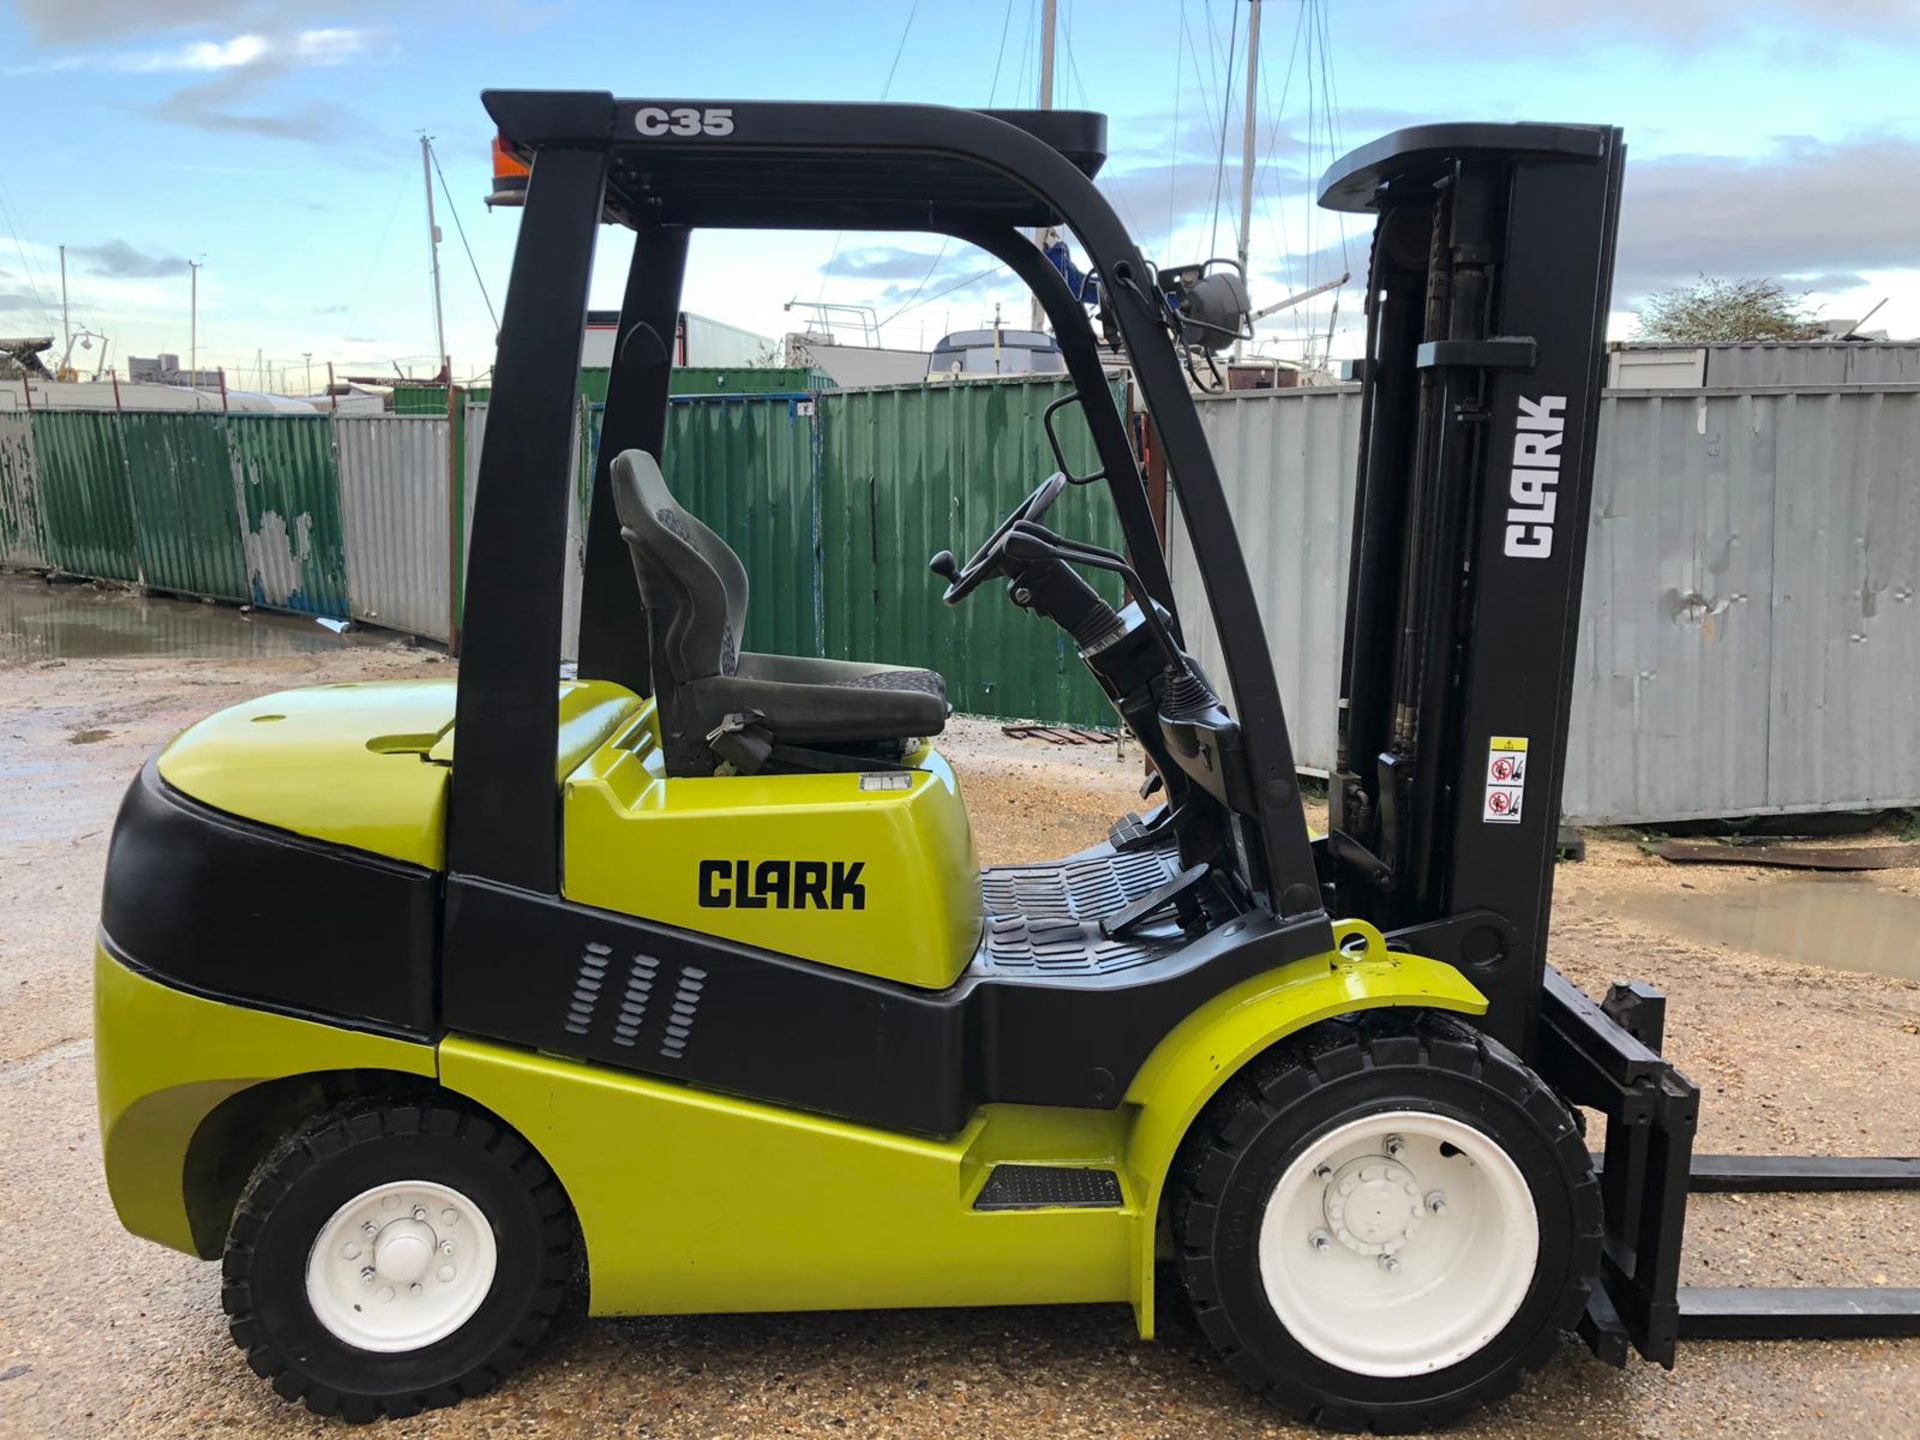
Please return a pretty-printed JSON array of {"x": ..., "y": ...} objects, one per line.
[
  {"x": 1048, "y": 1187},
  {"x": 1130, "y": 832},
  {"x": 1175, "y": 892}
]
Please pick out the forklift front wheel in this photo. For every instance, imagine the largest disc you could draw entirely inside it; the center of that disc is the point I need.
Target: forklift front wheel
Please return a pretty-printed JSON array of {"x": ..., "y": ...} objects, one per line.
[
  {"x": 1387, "y": 1222},
  {"x": 386, "y": 1258}
]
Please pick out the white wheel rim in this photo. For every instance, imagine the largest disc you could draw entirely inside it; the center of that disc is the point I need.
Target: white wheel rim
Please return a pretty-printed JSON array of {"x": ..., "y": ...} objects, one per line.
[
  {"x": 1387, "y": 1255},
  {"x": 401, "y": 1266}
]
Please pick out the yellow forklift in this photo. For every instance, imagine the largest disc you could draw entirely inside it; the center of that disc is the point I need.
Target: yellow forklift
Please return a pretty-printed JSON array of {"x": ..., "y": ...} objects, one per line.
[{"x": 418, "y": 1002}]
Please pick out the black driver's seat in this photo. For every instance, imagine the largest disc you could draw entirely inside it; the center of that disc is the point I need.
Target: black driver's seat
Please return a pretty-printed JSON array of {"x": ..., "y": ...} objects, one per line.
[{"x": 695, "y": 592}]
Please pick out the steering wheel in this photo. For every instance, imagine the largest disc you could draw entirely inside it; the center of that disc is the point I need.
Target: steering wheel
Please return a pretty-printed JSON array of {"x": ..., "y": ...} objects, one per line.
[{"x": 963, "y": 580}]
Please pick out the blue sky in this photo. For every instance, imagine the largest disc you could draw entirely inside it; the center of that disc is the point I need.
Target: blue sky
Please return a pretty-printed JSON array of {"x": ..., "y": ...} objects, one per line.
[{"x": 277, "y": 141}]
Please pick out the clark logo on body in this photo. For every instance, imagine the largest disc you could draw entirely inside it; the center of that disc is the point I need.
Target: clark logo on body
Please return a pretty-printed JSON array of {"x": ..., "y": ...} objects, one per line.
[
  {"x": 1536, "y": 476},
  {"x": 651, "y": 120},
  {"x": 782, "y": 885}
]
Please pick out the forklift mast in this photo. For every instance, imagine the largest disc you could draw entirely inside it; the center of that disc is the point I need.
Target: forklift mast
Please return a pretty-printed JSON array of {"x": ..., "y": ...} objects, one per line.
[{"x": 1486, "y": 314}]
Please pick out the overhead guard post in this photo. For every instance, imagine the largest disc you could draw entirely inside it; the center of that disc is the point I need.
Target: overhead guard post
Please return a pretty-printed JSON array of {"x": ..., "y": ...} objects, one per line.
[{"x": 504, "y": 821}]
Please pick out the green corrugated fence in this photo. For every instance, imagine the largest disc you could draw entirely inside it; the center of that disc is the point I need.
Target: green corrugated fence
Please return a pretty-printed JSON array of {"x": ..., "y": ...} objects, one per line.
[
  {"x": 178, "y": 469},
  {"x": 835, "y": 501},
  {"x": 286, "y": 486},
  {"x": 86, "y": 501}
]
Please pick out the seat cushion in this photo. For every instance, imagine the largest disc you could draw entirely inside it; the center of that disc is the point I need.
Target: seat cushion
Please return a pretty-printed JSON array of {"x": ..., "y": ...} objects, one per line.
[
  {"x": 812, "y": 702},
  {"x": 883, "y": 677}
]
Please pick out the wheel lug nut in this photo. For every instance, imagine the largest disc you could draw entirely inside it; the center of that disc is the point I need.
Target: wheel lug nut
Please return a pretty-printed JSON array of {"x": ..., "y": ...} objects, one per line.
[
  {"x": 420, "y": 1213},
  {"x": 1323, "y": 1172},
  {"x": 366, "y": 1275},
  {"x": 369, "y": 1228},
  {"x": 1320, "y": 1240},
  {"x": 1395, "y": 1144},
  {"x": 1437, "y": 1203},
  {"x": 1390, "y": 1264},
  {"x": 414, "y": 1288},
  {"x": 446, "y": 1247}
]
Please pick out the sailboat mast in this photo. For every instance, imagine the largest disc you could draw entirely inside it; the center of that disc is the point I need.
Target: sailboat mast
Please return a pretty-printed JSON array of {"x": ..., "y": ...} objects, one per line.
[
  {"x": 1048, "y": 12},
  {"x": 1247, "y": 145},
  {"x": 433, "y": 250}
]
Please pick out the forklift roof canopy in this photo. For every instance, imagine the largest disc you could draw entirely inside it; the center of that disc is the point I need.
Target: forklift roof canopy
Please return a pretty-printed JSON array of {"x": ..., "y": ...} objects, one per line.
[{"x": 803, "y": 166}]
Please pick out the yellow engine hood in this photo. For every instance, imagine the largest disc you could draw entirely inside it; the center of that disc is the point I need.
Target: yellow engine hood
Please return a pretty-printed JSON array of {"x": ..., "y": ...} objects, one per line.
[{"x": 363, "y": 764}]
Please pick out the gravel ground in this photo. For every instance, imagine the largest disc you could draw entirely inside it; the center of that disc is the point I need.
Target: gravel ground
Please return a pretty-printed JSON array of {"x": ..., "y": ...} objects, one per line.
[{"x": 101, "y": 1334}]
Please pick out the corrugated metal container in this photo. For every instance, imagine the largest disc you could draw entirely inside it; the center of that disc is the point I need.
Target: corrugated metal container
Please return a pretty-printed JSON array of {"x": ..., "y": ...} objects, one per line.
[
  {"x": 183, "y": 506},
  {"x": 286, "y": 486},
  {"x": 742, "y": 379},
  {"x": 429, "y": 400},
  {"x": 910, "y": 471},
  {"x": 394, "y": 472},
  {"x": 1674, "y": 663},
  {"x": 1287, "y": 459},
  {"x": 1844, "y": 720},
  {"x": 20, "y": 538},
  {"x": 747, "y": 466},
  {"x": 1749, "y": 637},
  {"x": 1657, "y": 367},
  {"x": 1805, "y": 363},
  {"x": 86, "y": 506}
]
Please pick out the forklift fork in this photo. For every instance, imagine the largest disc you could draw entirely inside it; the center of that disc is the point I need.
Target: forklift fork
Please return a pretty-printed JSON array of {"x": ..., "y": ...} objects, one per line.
[{"x": 1607, "y": 1057}]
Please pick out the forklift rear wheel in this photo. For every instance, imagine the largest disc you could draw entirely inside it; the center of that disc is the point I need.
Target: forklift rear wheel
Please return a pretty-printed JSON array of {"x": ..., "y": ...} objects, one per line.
[
  {"x": 1387, "y": 1222},
  {"x": 390, "y": 1257}
]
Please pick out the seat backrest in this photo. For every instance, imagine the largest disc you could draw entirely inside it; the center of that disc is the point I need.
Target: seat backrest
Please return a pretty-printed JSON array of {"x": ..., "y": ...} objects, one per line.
[{"x": 693, "y": 586}]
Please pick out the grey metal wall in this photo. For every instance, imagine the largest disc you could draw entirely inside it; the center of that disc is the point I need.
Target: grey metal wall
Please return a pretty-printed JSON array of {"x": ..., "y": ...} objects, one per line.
[
  {"x": 394, "y": 474},
  {"x": 1812, "y": 363},
  {"x": 1749, "y": 639},
  {"x": 1287, "y": 458}
]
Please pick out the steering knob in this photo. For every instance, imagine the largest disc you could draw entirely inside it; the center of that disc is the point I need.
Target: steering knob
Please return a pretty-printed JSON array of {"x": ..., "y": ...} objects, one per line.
[{"x": 945, "y": 566}]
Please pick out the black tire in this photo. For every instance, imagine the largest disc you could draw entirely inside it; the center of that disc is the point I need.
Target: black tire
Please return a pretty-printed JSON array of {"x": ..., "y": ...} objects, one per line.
[
  {"x": 1328, "y": 1076},
  {"x": 336, "y": 1156}
]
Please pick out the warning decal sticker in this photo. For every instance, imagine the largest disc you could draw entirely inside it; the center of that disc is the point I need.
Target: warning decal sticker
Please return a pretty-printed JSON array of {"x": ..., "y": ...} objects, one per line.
[{"x": 1506, "y": 779}]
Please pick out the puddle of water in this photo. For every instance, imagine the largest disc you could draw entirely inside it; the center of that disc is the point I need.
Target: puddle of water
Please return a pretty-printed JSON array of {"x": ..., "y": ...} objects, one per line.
[
  {"x": 39, "y": 621},
  {"x": 1845, "y": 924}
]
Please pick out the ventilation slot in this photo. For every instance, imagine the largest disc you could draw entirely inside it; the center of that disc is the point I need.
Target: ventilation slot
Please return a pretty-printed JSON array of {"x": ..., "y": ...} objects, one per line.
[
  {"x": 686, "y": 999},
  {"x": 586, "y": 988},
  {"x": 633, "y": 1003}
]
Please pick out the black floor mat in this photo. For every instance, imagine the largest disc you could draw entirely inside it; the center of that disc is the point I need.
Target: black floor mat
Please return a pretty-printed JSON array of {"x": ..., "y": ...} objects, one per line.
[{"x": 1045, "y": 919}]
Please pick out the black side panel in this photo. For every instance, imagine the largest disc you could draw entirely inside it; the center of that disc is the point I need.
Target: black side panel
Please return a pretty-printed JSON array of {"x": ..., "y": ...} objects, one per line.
[
  {"x": 1079, "y": 1041},
  {"x": 536, "y": 971},
  {"x": 597, "y": 986},
  {"x": 236, "y": 909}
]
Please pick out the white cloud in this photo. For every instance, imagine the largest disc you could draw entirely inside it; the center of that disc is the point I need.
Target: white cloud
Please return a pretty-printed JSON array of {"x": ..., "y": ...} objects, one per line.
[{"x": 204, "y": 57}]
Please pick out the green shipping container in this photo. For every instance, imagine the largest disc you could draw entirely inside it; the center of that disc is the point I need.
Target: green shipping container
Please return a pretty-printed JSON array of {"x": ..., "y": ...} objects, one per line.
[
  {"x": 183, "y": 504},
  {"x": 86, "y": 506},
  {"x": 910, "y": 471},
  {"x": 746, "y": 466},
  {"x": 286, "y": 487}
]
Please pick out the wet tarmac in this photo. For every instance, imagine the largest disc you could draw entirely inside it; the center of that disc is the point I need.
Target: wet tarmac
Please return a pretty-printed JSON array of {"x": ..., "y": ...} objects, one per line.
[
  {"x": 85, "y": 621},
  {"x": 1841, "y": 922}
]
